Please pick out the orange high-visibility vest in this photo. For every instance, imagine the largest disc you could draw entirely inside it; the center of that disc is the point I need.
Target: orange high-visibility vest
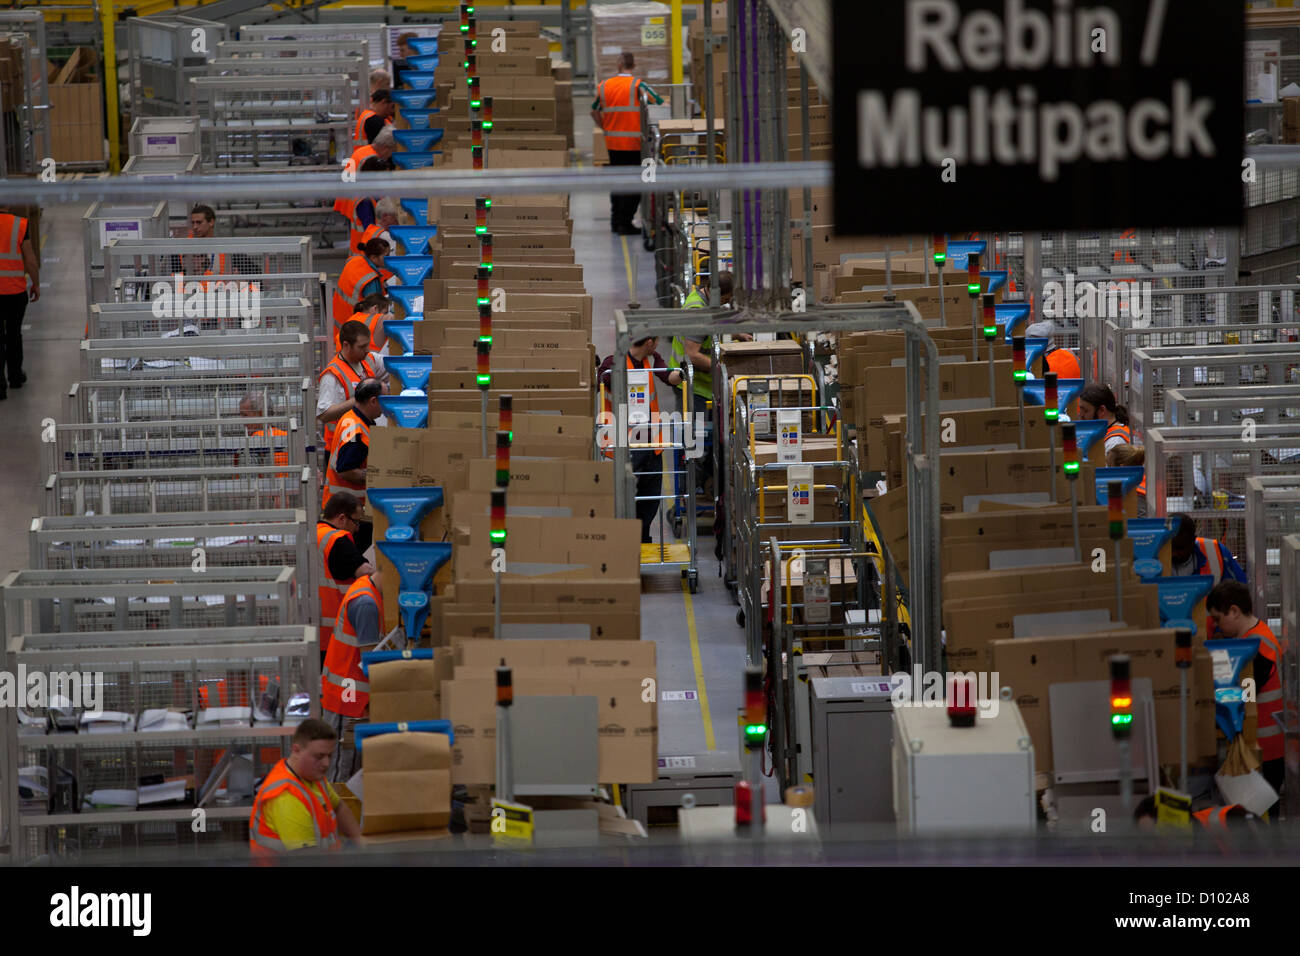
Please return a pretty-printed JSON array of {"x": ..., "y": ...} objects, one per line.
[
  {"x": 646, "y": 363},
  {"x": 262, "y": 840},
  {"x": 357, "y": 273},
  {"x": 1122, "y": 431},
  {"x": 347, "y": 377},
  {"x": 331, "y": 591},
  {"x": 1214, "y": 816},
  {"x": 372, "y": 321},
  {"x": 359, "y": 134},
  {"x": 13, "y": 276},
  {"x": 620, "y": 114},
  {"x": 347, "y": 206},
  {"x": 350, "y": 426},
  {"x": 281, "y": 457},
  {"x": 343, "y": 659},
  {"x": 1269, "y": 700},
  {"x": 1062, "y": 362}
]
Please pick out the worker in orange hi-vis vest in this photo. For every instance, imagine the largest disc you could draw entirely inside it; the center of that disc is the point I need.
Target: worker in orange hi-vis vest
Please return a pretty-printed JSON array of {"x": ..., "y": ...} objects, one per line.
[
  {"x": 296, "y": 808},
  {"x": 616, "y": 111},
  {"x": 362, "y": 275},
  {"x": 353, "y": 362},
  {"x": 17, "y": 265},
  {"x": 376, "y": 157},
  {"x": 1230, "y": 608},
  {"x": 345, "y": 691},
  {"x": 374, "y": 119},
  {"x": 253, "y": 405}
]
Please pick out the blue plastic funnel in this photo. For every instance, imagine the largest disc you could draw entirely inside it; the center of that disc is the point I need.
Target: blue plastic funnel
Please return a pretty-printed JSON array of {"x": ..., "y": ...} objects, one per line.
[
  {"x": 997, "y": 279},
  {"x": 414, "y": 239},
  {"x": 416, "y": 562},
  {"x": 411, "y": 370},
  {"x": 1148, "y": 535},
  {"x": 1066, "y": 389},
  {"x": 1034, "y": 347},
  {"x": 1012, "y": 315},
  {"x": 1086, "y": 434},
  {"x": 416, "y": 140},
  {"x": 424, "y": 46},
  {"x": 409, "y": 411},
  {"x": 425, "y": 61},
  {"x": 411, "y": 298},
  {"x": 401, "y": 331},
  {"x": 1178, "y": 596},
  {"x": 410, "y": 269},
  {"x": 1128, "y": 476},
  {"x": 411, "y": 99},
  {"x": 418, "y": 79},
  {"x": 419, "y": 210},
  {"x": 413, "y": 160},
  {"x": 387, "y": 657},
  {"x": 420, "y": 119},
  {"x": 413, "y": 727},
  {"x": 960, "y": 249},
  {"x": 404, "y": 508}
]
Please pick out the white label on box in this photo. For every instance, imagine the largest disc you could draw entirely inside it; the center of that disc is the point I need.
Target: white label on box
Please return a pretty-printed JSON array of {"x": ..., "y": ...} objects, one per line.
[
  {"x": 638, "y": 396},
  {"x": 816, "y": 591},
  {"x": 799, "y": 482},
  {"x": 654, "y": 34},
  {"x": 789, "y": 439},
  {"x": 657, "y": 75},
  {"x": 676, "y": 763},
  {"x": 679, "y": 695},
  {"x": 119, "y": 229},
  {"x": 162, "y": 145},
  {"x": 614, "y": 50}
]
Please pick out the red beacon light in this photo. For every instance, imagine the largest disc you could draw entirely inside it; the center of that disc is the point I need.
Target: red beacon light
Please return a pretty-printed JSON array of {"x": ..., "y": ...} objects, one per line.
[
  {"x": 940, "y": 243},
  {"x": 962, "y": 702},
  {"x": 1069, "y": 450}
]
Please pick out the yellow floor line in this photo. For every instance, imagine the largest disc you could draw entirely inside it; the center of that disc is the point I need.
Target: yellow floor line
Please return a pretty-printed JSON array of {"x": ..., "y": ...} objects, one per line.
[
  {"x": 44, "y": 236},
  {"x": 709, "y": 742},
  {"x": 627, "y": 265}
]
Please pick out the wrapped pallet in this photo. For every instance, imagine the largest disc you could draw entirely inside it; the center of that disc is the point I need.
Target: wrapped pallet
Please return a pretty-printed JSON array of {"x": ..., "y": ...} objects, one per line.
[{"x": 637, "y": 28}]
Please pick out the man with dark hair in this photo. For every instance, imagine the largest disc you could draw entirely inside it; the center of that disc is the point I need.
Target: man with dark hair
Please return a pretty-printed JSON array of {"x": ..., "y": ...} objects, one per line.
[
  {"x": 1230, "y": 608},
  {"x": 342, "y": 561},
  {"x": 296, "y": 807},
  {"x": 203, "y": 222},
  {"x": 347, "y": 464},
  {"x": 345, "y": 693},
  {"x": 362, "y": 275},
  {"x": 353, "y": 362},
  {"x": 616, "y": 111},
  {"x": 374, "y": 119}
]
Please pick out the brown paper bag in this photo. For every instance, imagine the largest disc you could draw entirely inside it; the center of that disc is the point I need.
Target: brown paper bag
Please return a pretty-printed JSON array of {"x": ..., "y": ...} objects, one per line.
[
  {"x": 403, "y": 690},
  {"x": 407, "y": 779}
]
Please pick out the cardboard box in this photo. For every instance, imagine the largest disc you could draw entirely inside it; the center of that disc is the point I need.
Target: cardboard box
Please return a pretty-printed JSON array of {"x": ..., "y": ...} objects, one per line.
[
  {"x": 434, "y": 336},
  {"x": 556, "y": 401},
  {"x": 403, "y": 691},
  {"x": 603, "y": 623},
  {"x": 76, "y": 122},
  {"x": 407, "y": 783},
  {"x": 636, "y": 657}
]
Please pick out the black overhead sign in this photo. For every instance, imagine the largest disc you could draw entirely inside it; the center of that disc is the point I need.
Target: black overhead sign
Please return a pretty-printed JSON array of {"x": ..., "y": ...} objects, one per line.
[{"x": 1037, "y": 114}]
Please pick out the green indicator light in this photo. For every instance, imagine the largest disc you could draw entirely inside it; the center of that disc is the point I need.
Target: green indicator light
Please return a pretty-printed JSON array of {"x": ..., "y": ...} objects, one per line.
[
  {"x": 1121, "y": 719},
  {"x": 940, "y": 257},
  {"x": 1071, "y": 467},
  {"x": 484, "y": 380},
  {"x": 1050, "y": 414},
  {"x": 755, "y": 730},
  {"x": 485, "y": 265},
  {"x": 487, "y": 203},
  {"x": 512, "y": 436},
  {"x": 484, "y": 301},
  {"x": 485, "y": 338},
  {"x": 464, "y": 28},
  {"x": 487, "y": 124},
  {"x": 469, "y": 10},
  {"x": 480, "y": 230},
  {"x": 1020, "y": 375},
  {"x": 990, "y": 331},
  {"x": 973, "y": 288},
  {"x": 475, "y": 104},
  {"x": 498, "y": 537}
]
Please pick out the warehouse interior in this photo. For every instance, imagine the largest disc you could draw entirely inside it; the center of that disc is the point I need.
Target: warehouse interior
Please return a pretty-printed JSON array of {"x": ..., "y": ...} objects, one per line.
[{"x": 671, "y": 523}]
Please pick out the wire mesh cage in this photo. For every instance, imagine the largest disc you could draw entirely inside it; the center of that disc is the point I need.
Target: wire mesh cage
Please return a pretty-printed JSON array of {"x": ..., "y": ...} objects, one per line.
[
  {"x": 1202, "y": 472},
  {"x": 1156, "y": 369},
  {"x": 274, "y": 121},
  {"x": 181, "y": 490},
  {"x": 162, "y": 58},
  {"x": 231, "y": 539},
  {"x": 1210, "y": 405},
  {"x": 1272, "y": 513},
  {"x": 234, "y": 307},
  {"x": 39, "y": 602},
  {"x": 198, "y": 356},
  {"x": 205, "y": 259},
  {"x": 194, "y": 443},
  {"x": 175, "y": 399}
]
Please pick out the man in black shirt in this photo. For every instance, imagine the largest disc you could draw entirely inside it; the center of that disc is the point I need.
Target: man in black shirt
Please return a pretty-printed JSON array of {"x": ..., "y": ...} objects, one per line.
[
  {"x": 379, "y": 115},
  {"x": 341, "y": 552}
]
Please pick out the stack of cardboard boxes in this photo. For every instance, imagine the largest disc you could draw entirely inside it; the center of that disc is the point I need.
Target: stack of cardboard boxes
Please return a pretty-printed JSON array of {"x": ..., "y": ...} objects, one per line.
[
  {"x": 77, "y": 110},
  {"x": 571, "y": 583}
]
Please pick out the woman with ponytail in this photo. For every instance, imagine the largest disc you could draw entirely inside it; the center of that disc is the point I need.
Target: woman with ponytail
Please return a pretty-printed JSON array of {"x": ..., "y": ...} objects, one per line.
[{"x": 1097, "y": 401}]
